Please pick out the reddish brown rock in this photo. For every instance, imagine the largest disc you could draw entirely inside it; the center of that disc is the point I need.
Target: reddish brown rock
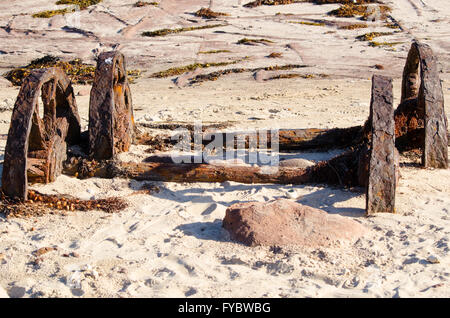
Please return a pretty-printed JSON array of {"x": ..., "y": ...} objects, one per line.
[{"x": 284, "y": 222}]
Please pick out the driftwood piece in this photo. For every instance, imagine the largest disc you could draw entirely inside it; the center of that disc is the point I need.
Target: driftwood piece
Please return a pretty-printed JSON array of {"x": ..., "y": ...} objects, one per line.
[
  {"x": 111, "y": 122},
  {"x": 36, "y": 146},
  {"x": 380, "y": 195}
]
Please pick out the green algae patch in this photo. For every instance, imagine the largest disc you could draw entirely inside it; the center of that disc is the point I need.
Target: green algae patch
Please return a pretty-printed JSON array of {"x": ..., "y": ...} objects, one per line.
[{"x": 163, "y": 32}]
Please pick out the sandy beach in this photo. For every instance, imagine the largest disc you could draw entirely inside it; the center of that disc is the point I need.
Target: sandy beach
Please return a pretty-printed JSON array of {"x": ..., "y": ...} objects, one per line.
[{"x": 171, "y": 243}]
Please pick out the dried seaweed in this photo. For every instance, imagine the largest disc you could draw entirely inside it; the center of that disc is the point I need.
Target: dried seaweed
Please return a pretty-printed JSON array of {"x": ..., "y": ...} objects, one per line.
[
  {"x": 51, "y": 13},
  {"x": 362, "y": 11},
  {"x": 82, "y": 4},
  {"x": 390, "y": 44},
  {"x": 354, "y": 26},
  {"x": 215, "y": 75},
  {"x": 78, "y": 72},
  {"x": 188, "y": 68},
  {"x": 275, "y": 55},
  {"x": 308, "y": 23},
  {"x": 370, "y": 36},
  {"x": 144, "y": 3},
  {"x": 163, "y": 32},
  {"x": 214, "y": 51},
  {"x": 258, "y": 3},
  {"x": 253, "y": 41},
  {"x": 209, "y": 14},
  {"x": 295, "y": 75},
  {"x": 39, "y": 204}
]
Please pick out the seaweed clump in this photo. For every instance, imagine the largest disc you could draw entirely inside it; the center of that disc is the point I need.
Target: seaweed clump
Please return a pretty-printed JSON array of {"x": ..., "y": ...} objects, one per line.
[
  {"x": 51, "y": 13},
  {"x": 209, "y": 14},
  {"x": 258, "y": 3},
  {"x": 163, "y": 32},
  {"x": 370, "y": 36},
  {"x": 188, "y": 68},
  {"x": 78, "y": 72},
  {"x": 214, "y": 51},
  {"x": 144, "y": 3},
  {"x": 82, "y": 4},
  {"x": 39, "y": 204},
  {"x": 275, "y": 55},
  {"x": 390, "y": 44},
  {"x": 354, "y": 26},
  {"x": 295, "y": 75},
  {"x": 308, "y": 23},
  {"x": 253, "y": 41},
  {"x": 214, "y": 76},
  {"x": 362, "y": 11}
]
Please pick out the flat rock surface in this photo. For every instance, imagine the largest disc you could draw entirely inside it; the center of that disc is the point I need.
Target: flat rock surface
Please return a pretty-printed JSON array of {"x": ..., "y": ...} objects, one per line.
[
  {"x": 284, "y": 222},
  {"x": 119, "y": 24}
]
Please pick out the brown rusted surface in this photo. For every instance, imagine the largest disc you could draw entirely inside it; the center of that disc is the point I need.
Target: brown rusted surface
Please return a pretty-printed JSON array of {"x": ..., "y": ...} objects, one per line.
[
  {"x": 36, "y": 146},
  {"x": 380, "y": 195},
  {"x": 420, "y": 120},
  {"x": 341, "y": 170},
  {"x": 174, "y": 172},
  {"x": 431, "y": 99},
  {"x": 111, "y": 122}
]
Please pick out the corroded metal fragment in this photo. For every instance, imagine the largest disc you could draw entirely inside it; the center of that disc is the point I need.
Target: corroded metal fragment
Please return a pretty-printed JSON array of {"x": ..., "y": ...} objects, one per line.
[
  {"x": 111, "y": 122},
  {"x": 36, "y": 144},
  {"x": 380, "y": 196},
  {"x": 420, "y": 120},
  {"x": 431, "y": 99}
]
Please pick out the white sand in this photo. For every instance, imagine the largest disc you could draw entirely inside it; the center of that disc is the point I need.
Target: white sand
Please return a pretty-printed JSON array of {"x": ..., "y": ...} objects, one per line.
[{"x": 171, "y": 243}]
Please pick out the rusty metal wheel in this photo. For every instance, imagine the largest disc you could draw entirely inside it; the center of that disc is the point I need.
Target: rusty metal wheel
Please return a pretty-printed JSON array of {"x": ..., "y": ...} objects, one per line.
[
  {"x": 111, "y": 122},
  {"x": 420, "y": 120},
  {"x": 37, "y": 143}
]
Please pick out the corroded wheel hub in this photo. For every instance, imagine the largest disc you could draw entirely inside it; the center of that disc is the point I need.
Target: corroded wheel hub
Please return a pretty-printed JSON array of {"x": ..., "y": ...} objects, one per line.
[
  {"x": 111, "y": 122},
  {"x": 37, "y": 143}
]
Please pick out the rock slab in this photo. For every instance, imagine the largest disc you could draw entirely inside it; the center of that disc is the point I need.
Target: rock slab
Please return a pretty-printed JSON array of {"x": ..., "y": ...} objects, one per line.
[{"x": 284, "y": 222}]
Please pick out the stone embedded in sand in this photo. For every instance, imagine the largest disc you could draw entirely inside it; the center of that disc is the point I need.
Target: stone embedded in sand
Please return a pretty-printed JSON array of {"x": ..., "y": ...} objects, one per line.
[{"x": 284, "y": 222}]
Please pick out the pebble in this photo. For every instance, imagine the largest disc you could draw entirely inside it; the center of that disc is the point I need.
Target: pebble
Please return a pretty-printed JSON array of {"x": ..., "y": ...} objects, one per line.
[{"x": 433, "y": 259}]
